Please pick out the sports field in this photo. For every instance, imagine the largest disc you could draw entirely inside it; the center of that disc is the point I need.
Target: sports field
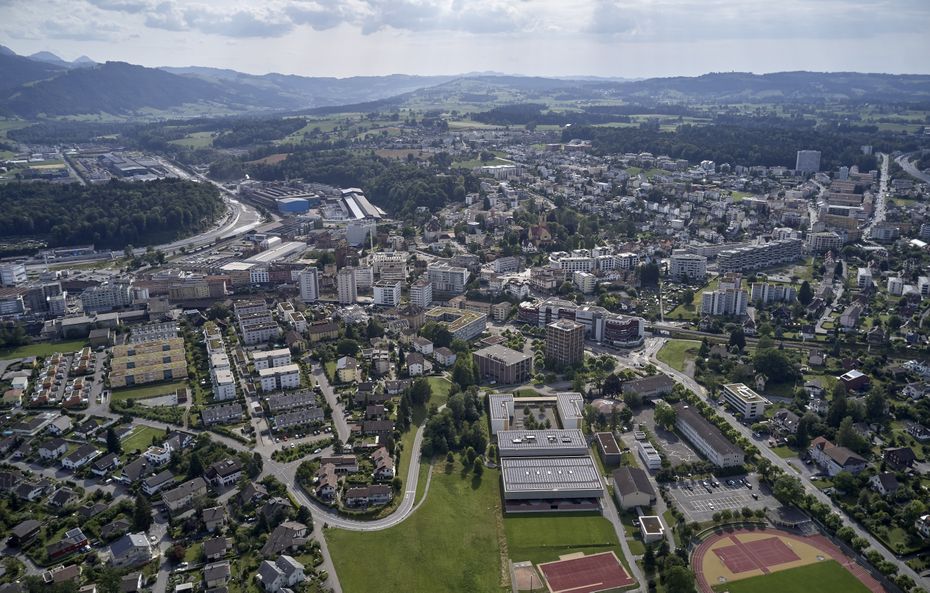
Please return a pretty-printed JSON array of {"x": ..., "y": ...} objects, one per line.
[
  {"x": 774, "y": 560},
  {"x": 824, "y": 577}
]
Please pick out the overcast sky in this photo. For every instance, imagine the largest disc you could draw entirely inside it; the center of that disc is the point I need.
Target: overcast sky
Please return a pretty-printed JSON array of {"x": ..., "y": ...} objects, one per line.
[{"x": 628, "y": 38}]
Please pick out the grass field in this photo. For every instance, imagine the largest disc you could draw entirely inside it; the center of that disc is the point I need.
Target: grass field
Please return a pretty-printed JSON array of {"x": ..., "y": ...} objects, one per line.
[
  {"x": 145, "y": 391},
  {"x": 195, "y": 140},
  {"x": 141, "y": 438},
  {"x": 823, "y": 577},
  {"x": 440, "y": 395},
  {"x": 784, "y": 452},
  {"x": 452, "y": 543},
  {"x": 42, "y": 349},
  {"x": 675, "y": 352},
  {"x": 543, "y": 538}
]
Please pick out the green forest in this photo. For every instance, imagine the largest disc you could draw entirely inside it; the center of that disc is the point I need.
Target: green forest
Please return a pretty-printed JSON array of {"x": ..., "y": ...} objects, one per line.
[
  {"x": 112, "y": 215},
  {"x": 748, "y": 142}
]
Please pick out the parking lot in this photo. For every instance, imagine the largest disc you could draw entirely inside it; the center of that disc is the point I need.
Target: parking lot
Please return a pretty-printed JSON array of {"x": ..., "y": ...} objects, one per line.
[
  {"x": 675, "y": 449},
  {"x": 699, "y": 503}
]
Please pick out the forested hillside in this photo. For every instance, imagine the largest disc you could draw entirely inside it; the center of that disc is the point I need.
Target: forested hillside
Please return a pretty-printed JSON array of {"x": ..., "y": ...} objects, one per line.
[{"x": 111, "y": 215}]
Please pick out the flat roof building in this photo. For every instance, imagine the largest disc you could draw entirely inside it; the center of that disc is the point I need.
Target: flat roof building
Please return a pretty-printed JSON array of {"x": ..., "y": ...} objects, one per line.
[
  {"x": 461, "y": 323},
  {"x": 501, "y": 364},
  {"x": 648, "y": 454},
  {"x": 744, "y": 400},
  {"x": 541, "y": 443},
  {"x": 570, "y": 405},
  {"x": 707, "y": 438},
  {"x": 501, "y": 411},
  {"x": 534, "y": 478},
  {"x": 565, "y": 342}
]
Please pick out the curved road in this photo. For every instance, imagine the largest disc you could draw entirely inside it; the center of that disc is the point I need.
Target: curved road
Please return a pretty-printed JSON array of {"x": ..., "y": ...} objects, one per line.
[{"x": 908, "y": 165}]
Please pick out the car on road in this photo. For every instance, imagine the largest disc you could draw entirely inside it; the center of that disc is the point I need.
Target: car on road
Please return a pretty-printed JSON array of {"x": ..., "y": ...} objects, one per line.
[
  {"x": 755, "y": 496},
  {"x": 317, "y": 451}
]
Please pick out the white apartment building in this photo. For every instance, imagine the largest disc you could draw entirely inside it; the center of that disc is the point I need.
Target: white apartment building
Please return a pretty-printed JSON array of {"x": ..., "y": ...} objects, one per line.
[
  {"x": 895, "y": 286},
  {"x": 421, "y": 293},
  {"x": 687, "y": 266},
  {"x": 283, "y": 377},
  {"x": 626, "y": 261},
  {"x": 107, "y": 297},
  {"x": 270, "y": 359},
  {"x": 766, "y": 292},
  {"x": 577, "y": 264},
  {"x": 923, "y": 286},
  {"x": 446, "y": 278},
  {"x": 585, "y": 282},
  {"x": 729, "y": 301},
  {"x": 387, "y": 293},
  {"x": 863, "y": 278},
  {"x": 744, "y": 400},
  {"x": 757, "y": 256},
  {"x": 346, "y": 286},
  {"x": 309, "y": 280},
  {"x": 224, "y": 384}
]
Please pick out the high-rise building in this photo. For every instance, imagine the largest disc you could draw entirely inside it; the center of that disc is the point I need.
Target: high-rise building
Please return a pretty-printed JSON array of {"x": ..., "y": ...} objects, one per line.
[
  {"x": 309, "y": 279},
  {"x": 107, "y": 297},
  {"x": 808, "y": 161},
  {"x": 565, "y": 342},
  {"x": 346, "y": 286},
  {"x": 421, "y": 293},
  {"x": 387, "y": 293},
  {"x": 687, "y": 266}
]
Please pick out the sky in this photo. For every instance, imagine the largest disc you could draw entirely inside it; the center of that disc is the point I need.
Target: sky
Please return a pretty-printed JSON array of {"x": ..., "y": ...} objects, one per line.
[{"x": 611, "y": 38}]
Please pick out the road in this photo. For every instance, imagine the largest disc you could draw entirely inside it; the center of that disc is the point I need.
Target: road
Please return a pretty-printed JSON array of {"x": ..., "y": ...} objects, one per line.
[
  {"x": 809, "y": 488},
  {"x": 329, "y": 394},
  {"x": 881, "y": 200},
  {"x": 905, "y": 161}
]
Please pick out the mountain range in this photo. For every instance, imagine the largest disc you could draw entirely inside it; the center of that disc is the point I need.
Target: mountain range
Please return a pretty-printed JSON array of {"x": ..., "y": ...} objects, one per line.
[{"x": 45, "y": 86}]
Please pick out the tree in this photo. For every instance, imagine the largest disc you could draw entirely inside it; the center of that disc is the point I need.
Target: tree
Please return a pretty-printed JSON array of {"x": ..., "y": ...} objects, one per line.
[
  {"x": 649, "y": 560},
  {"x": 665, "y": 415},
  {"x": 113, "y": 442},
  {"x": 420, "y": 392},
  {"x": 176, "y": 553},
  {"x": 875, "y": 405},
  {"x": 775, "y": 365},
  {"x": 838, "y": 405},
  {"x": 255, "y": 466},
  {"x": 738, "y": 339},
  {"x": 678, "y": 579},
  {"x": 612, "y": 384},
  {"x": 844, "y": 482},
  {"x": 478, "y": 467},
  {"x": 195, "y": 468},
  {"x": 805, "y": 293},
  {"x": 142, "y": 514},
  {"x": 462, "y": 372},
  {"x": 847, "y": 436},
  {"x": 788, "y": 489},
  {"x": 687, "y": 296}
]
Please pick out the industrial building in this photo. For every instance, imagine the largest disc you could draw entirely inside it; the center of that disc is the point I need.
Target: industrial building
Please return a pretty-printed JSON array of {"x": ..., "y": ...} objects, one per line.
[{"x": 503, "y": 365}]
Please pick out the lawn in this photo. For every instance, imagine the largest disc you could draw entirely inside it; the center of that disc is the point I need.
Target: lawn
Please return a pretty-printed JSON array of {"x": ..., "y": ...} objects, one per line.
[
  {"x": 784, "y": 452},
  {"x": 543, "y": 538},
  {"x": 452, "y": 543},
  {"x": 440, "y": 395},
  {"x": 823, "y": 577},
  {"x": 440, "y": 388},
  {"x": 146, "y": 391},
  {"x": 42, "y": 349},
  {"x": 675, "y": 352},
  {"x": 141, "y": 438},
  {"x": 195, "y": 140}
]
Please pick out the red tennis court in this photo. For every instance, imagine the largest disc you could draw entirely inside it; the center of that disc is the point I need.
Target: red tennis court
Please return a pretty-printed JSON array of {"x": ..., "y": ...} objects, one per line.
[
  {"x": 586, "y": 574},
  {"x": 758, "y": 554}
]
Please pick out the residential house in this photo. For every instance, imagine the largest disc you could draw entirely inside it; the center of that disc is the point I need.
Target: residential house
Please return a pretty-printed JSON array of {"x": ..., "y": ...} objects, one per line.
[
  {"x": 214, "y": 518},
  {"x": 416, "y": 364},
  {"x": 287, "y": 536},
  {"x": 24, "y": 533},
  {"x": 154, "y": 484},
  {"x": 327, "y": 483},
  {"x": 53, "y": 448},
  {"x": 884, "y": 483},
  {"x": 104, "y": 465},
  {"x": 135, "y": 470},
  {"x": 785, "y": 422},
  {"x": 922, "y": 525},
  {"x": 224, "y": 473},
  {"x": 62, "y": 498},
  {"x": 285, "y": 572},
  {"x": 80, "y": 457},
  {"x": 365, "y": 496},
  {"x": 384, "y": 464},
  {"x": 834, "y": 459},
  {"x": 72, "y": 541},
  {"x": 216, "y": 574},
  {"x": 347, "y": 370},
  {"x": 133, "y": 549},
  {"x": 899, "y": 458},
  {"x": 181, "y": 497},
  {"x": 444, "y": 356},
  {"x": 215, "y": 548},
  {"x": 114, "y": 529},
  {"x": 252, "y": 492}
]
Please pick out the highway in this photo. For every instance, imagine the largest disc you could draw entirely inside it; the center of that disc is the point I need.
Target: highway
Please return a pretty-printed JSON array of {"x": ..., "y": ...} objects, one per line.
[{"x": 908, "y": 165}]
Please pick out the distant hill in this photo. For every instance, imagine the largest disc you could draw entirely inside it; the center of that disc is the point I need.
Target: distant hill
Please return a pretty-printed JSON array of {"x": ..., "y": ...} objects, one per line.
[{"x": 44, "y": 85}]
